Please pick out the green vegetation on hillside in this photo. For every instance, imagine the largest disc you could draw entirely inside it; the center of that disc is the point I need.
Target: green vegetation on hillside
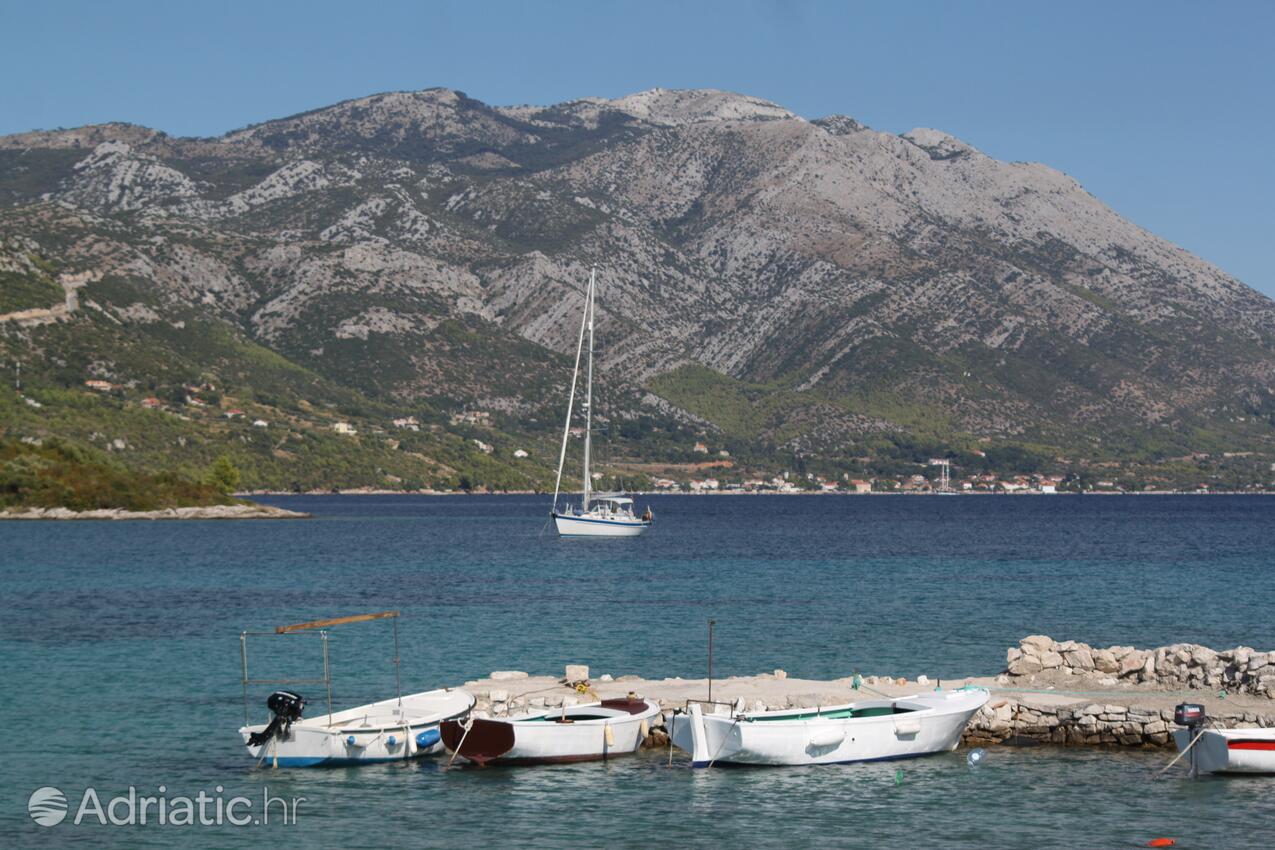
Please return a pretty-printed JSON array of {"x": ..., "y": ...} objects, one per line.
[{"x": 57, "y": 473}]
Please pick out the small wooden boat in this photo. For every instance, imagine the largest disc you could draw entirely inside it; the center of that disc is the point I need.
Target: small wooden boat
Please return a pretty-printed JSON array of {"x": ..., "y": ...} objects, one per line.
[
  {"x": 591, "y": 732},
  {"x": 1212, "y": 750},
  {"x": 871, "y": 730},
  {"x": 390, "y": 730},
  {"x": 402, "y": 727}
]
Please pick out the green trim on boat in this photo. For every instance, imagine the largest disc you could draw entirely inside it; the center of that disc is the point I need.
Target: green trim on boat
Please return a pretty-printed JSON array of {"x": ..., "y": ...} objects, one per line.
[{"x": 842, "y": 714}]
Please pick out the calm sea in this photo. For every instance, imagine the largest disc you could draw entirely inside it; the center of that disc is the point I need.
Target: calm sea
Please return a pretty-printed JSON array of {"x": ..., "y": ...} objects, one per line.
[{"x": 122, "y": 667}]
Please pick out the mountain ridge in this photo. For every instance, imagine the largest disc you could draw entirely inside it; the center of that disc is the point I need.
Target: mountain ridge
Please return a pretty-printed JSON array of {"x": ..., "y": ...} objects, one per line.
[{"x": 877, "y": 283}]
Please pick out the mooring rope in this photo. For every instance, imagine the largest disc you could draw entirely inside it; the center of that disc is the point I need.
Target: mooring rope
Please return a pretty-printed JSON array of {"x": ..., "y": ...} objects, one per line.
[{"x": 468, "y": 724}]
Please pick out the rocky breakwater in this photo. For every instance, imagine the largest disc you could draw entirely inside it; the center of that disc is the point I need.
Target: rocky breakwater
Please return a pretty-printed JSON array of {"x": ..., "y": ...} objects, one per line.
[
  {"x": 1066, "y": 692},
  {"x": 1181, "y": 665},
  {"x": 244, "y": 511}
]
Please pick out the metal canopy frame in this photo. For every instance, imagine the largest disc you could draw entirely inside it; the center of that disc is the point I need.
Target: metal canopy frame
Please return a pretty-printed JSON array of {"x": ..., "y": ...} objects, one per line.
[{"x": 322, "y": 627}]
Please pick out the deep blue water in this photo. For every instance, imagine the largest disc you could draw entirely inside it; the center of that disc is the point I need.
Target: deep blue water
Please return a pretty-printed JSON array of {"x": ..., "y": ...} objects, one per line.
[{"x": 121, "y": 658}]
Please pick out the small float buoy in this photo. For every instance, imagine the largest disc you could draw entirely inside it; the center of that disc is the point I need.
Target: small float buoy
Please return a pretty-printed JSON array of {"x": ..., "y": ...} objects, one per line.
[
  {"x": 898, "y": 777},
  {"x": 1161, "y": 842},
  {"x": 976, "y": 756}
]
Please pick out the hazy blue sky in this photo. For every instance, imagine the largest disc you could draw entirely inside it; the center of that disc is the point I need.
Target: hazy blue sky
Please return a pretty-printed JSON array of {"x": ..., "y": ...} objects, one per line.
[{"x": 1162, "y": 109}]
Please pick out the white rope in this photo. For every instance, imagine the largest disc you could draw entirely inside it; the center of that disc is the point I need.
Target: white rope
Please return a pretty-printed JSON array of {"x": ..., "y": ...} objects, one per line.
[
  {"x": 467, "y": 725},
  {"x": 1185, "y": 750}
]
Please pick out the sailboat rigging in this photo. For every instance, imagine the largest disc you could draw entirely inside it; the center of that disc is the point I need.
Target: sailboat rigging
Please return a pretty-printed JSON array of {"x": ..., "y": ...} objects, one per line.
[{"x": 598, "y": 514}]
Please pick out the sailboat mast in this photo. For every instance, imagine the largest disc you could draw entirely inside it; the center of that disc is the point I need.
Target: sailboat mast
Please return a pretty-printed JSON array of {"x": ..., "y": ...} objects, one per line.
[
  {"x": 571, "y": 398},
  {"x": 588, "y": 391}
]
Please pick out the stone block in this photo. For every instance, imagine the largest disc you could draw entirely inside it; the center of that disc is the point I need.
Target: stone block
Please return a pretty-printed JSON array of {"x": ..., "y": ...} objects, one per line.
[
  {"x": 508, "y": 675},
  {"x": 577, "y": 672},
  {"x": 1026, "y": 666},
  {"x": 1036, "y": 644},
  {"x": 1132, "y": 662},
  {"x": 1080, "y": 658},
  {"x": 1105, "y": 661},
  {"x": 1050, "y": 660}
]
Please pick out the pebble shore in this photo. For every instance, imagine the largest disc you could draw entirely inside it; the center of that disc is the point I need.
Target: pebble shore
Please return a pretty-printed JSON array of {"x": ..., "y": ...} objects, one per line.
[
  {"x": 251, "y": 511},
  {"x": 1070, "y": 700}
]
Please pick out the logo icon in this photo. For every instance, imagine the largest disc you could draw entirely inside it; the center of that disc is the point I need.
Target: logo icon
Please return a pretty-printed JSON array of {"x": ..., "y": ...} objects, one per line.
[{"x": 47, "y": 806}]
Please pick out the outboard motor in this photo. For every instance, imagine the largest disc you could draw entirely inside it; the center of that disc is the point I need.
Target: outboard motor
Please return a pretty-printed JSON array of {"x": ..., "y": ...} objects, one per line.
[
  {"x": 286, "y": 707},
  {"x": 1189, "y": 714},
  {"x": 1192, "y": 716}
]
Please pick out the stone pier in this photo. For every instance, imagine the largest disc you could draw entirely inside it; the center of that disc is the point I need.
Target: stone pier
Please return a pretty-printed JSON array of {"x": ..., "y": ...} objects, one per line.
[{"x": 1064, "y": 693}]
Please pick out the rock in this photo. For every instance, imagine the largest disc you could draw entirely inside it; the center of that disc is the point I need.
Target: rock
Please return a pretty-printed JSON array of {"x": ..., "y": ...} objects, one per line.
[
  {"x": 537, "y": 702},
  {"x": 1012, "y": 654},
  {"x": 1036, "y": 644},
  {"x": 1132, "y": 661},
  {"x": 628, "y": 677},
  {"x": 606, "y": 677},
  {"x": 508, "y": 675},
  {"x": 1080, "y": 658},
  {"x": 553, "y": 700},
  {"x": 1104, "y": 660},
  {"x": 1050, "y": 660},
  {"x": 499, "y": 696},
  {"x": 1092, "y": 710},
  {"x": 569, "y": 701},
  {"x": 577, "y": 673},
  {"x": 1025, "y": 666},
  {"x": 781, "y": 674},
  {"x": 900, "y": 681},
  {"x": 922, "y": 680}
]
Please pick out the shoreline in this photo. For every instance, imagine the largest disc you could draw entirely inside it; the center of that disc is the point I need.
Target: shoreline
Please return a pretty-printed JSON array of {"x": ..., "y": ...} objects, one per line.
[
  {"x": 358, "y": 491},
  {"x": 208, "y": 512}
]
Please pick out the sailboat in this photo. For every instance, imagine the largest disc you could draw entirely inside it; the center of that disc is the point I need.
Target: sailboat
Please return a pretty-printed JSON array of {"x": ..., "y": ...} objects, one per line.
[{"x": 598, "y": 514}]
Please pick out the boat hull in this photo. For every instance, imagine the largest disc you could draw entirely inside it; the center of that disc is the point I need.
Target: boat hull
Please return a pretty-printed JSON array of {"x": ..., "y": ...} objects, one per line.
[
  {"x": 1230, "y": 750},
  {"x": 369, "y": 734},
  {"x": 587, "y": 526},
  {"x": 883, "y": 729},
  {"x": 598, "y": 732}
]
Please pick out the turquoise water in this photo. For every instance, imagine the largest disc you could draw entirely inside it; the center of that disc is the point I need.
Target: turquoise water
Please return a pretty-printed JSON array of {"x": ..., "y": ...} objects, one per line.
[{"x": 121, "y": 664}]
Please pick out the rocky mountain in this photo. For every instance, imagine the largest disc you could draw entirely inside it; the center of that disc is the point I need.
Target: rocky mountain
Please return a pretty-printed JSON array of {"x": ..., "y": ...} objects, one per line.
[{"x": 795, "y": 288}]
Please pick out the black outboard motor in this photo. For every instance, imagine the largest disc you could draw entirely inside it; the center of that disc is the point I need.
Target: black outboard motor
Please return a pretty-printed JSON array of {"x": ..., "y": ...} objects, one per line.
[{"x": 287, "y": 708}]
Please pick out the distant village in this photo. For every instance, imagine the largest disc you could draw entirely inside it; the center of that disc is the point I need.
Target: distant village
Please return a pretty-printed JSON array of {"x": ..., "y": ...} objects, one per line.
[{"x": 717, "y": 472}]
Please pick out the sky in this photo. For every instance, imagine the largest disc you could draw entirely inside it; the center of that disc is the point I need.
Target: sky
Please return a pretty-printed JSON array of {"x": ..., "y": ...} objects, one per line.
[{"x": 1165, "y": 110}]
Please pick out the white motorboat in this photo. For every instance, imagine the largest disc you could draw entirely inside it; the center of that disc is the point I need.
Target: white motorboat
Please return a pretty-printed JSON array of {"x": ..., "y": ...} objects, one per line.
[
  {"x": 591, "y": 732},
  {"x": 1213, "y": 750},
  {"x": 871, "y": 730},
  {"x": 402, "y": 727},
  {"x": 598, "y": 514},
  {"x": 390, "y": 730}
]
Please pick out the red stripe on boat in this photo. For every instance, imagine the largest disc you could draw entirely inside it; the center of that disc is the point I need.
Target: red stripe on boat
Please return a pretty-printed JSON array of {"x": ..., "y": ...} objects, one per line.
[{"x": 1250, "y": 744}]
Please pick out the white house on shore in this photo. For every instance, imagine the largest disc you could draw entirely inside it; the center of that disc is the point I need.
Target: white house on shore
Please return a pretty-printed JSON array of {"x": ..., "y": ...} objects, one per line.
[{"x": 344, "y": 428}]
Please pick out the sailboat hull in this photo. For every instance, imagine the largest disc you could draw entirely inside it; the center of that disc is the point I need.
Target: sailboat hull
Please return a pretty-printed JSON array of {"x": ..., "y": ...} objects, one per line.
[{"x": 587, "y": 526}]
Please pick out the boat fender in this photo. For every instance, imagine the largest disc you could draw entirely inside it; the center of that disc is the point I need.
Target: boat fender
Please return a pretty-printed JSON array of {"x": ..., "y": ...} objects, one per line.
[
  {"x": 610, "y": 735},
  {"x": 428, "y": 738},
  {"x": 350, "y": 741},
  {"x": 907, "y": 726},
  {"x": 820, "y": 738},
  {"x": 391, "y": 742},
  {"x": 645, "y": 728}
]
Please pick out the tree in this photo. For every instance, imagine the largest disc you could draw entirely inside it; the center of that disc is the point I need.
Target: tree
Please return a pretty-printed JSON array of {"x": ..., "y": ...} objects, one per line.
[{"x": 223, "y": 475}]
